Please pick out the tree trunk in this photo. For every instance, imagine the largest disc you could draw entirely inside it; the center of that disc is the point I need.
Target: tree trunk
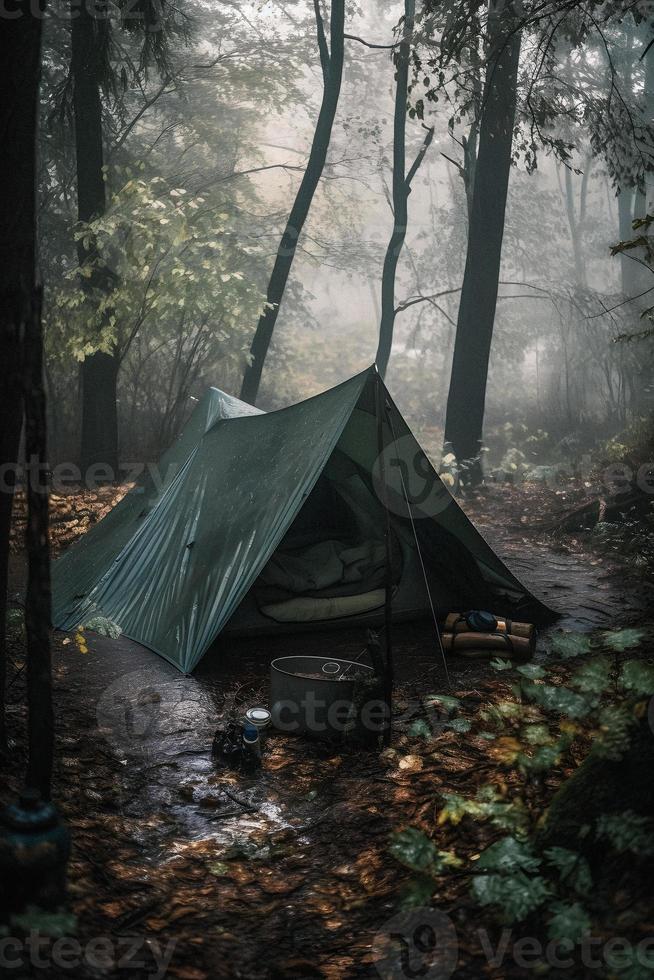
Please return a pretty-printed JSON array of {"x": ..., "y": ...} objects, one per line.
[
  {"x": 632, "y": 201},
  {"x": 401, "y": 190},
  {"x": 575, "y": 223},
  {"x": 20, "y": 40},
  {"x": 638, "y": 278},
  {"x": 648, "y": 103},
  {"x": 332, "y": 67},
  {"x": 400, "y": 193},
  {"x": 467, "y": 395},
  {"x": 99, "y": 437},
  {"x": 11, "y": 317},
  {"x": 100, "y": 417},
  {"x": 38, "y": 597},
  {"x": 469, "y": 143},
  {"x": 628, "y": 268}
]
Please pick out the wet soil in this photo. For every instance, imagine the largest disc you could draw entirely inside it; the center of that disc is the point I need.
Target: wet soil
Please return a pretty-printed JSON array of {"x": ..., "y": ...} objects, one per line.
[{"x": 284, "y": 873}]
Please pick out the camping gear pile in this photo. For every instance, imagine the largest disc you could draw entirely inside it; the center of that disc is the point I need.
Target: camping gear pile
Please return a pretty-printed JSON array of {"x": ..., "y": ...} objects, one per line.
[
  {"x": 477, "y": 635},
  {"x": 239, "y": 744}
]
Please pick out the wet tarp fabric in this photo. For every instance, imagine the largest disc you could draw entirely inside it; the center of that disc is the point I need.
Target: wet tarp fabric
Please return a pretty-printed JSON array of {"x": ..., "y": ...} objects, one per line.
[{"x": 173, "y": 560}]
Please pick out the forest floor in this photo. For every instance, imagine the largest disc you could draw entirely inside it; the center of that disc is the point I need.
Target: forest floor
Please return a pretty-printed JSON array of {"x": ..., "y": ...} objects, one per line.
[{"x": 197, "y": 873}]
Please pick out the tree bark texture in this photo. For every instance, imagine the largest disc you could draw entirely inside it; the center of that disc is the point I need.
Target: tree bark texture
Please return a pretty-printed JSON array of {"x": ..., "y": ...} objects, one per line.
[
  {"x": 400, "y": 193},
  {"x": 472, "y": 346},
  {"x": 38, "y": 596},
  {"x": 332, "y": 66},
  {"x": 99, "y": 371},
  {"x": 20, "y": 41}
]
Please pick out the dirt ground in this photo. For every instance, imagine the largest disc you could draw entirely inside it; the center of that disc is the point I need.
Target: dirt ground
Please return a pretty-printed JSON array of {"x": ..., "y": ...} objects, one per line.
[{"x": 286, "y": 873}]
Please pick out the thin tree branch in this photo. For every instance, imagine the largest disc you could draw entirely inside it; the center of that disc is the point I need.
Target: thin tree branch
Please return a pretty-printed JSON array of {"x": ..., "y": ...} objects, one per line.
[
  {"x": 421, "y": 156},
  {"x": 458, "y": 166},
  {"x": 457, "y": 289},
  {"x": 425, "y": 299},
  {"x": 646, "y": 49},
  {"x": 144, "y": 108},
  {"x": 369, "y": 44},
  {"x": 252, "y": 170},
  {"x": 440, "y": 309},
  {"x": 325, "y": 59},
  {"x": 625, "y": 302},
  {"x": 521, "y": 296},
  {"x": 526, "y": 285}
]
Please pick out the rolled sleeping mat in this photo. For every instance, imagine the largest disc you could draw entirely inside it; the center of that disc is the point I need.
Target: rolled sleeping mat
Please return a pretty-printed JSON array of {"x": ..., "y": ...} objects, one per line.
[
  {"x": 480, "y": 645},
  {"x": 456, "y": 623}
]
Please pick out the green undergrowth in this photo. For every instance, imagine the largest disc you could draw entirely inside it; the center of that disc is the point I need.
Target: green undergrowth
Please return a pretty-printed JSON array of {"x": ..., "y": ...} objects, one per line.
[{"x": 566, "y": 817}]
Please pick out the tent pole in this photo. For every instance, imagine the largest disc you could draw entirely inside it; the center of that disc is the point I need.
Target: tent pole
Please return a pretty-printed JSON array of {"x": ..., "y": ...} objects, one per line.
[
  {"x": 418, "y": 549},
  {"x": 388, "y": 600}
]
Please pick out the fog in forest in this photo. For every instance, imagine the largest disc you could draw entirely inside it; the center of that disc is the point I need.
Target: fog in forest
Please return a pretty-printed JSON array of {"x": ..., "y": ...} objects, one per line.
[
  {"x": 327, "y": 489},
  {"x": 227, "y": 132}
]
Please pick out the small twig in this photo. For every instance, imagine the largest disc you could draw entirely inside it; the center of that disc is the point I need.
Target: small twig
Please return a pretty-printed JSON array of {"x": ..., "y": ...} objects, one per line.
[
  {"x": 458, "y": 166},
  {"x": 227, "y": 815},
  {"x": 369, "y": 44},
  {"x": 246, "y": 806},
  {"x": 129, "y": 919},
  {"x": 630, "y": 299}
]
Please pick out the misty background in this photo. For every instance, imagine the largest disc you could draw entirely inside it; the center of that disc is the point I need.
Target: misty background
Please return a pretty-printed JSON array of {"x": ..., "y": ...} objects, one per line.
[{"x": 228, "y": 132}]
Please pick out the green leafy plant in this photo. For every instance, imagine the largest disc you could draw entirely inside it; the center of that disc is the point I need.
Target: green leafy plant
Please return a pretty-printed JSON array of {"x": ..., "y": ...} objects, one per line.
[
  {"x": 103, "y": 626},
  {"x": 164, "y": 259},
  {"x": 587, "y": 701}
]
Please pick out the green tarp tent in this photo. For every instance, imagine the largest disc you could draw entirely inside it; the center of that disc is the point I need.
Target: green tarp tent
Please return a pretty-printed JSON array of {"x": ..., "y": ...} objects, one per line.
[{"x": 264, "y": 521}]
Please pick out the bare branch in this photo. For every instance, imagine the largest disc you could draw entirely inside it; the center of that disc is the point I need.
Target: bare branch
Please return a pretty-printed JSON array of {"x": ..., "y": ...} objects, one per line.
[
  {"x": 252, "y": 170},
  {"x": 425, "y": 299},
  {"x": 443, "y": 312},
  {"x": 625, "y": 302},
  {"x": 449, "y": 292},
  {"x": 421, "y": 156},
  {"x": 144, "y": 108},
  {"x": 369, "y": 44},
  {"x": 459, "y": 166}
]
